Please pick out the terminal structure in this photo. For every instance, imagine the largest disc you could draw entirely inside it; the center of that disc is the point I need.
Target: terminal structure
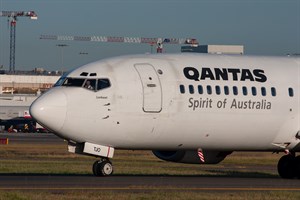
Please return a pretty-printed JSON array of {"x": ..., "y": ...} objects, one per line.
[
  {"x": 214, "y": 49},
  {"x": 25, "y": 84}
]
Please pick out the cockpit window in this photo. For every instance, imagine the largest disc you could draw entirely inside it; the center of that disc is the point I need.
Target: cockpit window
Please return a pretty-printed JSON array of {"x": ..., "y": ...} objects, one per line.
[
  {"x": 103, "y": 83},
  {"x": 90, "y": 84},
  {"x": 73, "y": 82},
  {"x": 60, "y": 80},
  {"x": 84, "y": 74}
]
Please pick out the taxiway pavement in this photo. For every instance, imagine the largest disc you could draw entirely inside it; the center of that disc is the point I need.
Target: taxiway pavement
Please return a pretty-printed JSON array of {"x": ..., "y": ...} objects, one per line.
[{"x": 143, "y": 183}]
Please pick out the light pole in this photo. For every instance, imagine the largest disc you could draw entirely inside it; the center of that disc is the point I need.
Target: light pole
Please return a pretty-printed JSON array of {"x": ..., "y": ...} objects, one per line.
[{"x": 62, "y": 55}]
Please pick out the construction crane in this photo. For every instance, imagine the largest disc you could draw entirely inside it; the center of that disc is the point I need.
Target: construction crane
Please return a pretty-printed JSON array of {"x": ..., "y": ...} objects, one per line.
[
  {"x": 12, "y": 20},
  {"x": 152, "y": 41}
]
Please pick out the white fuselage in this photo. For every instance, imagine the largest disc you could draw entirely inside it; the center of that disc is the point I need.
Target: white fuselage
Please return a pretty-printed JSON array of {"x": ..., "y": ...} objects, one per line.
[{"x": 145, "y": 106}]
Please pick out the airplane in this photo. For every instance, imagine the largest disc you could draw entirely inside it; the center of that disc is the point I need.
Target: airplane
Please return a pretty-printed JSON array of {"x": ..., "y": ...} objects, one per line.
[{"x": 186, "y": 107}]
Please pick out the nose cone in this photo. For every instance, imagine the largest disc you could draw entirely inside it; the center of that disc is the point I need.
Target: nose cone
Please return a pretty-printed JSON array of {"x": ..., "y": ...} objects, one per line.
[{"x": 50, "y": 110}]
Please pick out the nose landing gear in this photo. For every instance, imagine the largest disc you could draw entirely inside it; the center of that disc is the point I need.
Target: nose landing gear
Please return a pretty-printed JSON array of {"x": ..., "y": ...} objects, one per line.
[
  {"x": 102, "y": 167},
  {"x": 289, "y": 166}
]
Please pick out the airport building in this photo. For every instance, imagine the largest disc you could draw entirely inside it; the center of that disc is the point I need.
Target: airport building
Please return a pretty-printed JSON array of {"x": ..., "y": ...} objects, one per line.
[
  {"x": 215, "y": 49},
  {"x": 17, "y": 92},
  {"x": 25, "y": 84}
]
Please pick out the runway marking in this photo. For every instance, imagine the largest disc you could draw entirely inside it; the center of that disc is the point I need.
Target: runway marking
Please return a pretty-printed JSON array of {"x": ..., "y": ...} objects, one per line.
[{"x": 158, "y": 188}]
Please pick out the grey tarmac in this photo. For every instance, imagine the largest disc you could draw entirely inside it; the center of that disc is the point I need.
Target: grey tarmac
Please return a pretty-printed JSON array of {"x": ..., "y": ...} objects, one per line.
[{"x": 143, "y": 183}]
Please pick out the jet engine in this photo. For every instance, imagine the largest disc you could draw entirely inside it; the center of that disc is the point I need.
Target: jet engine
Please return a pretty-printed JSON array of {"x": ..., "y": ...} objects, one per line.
[{"x": 191, "y": 156}]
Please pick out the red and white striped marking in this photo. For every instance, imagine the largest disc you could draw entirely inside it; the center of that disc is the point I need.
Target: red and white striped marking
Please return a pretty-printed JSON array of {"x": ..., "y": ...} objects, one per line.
[
  {"x": 201, "y": 156},
  {"x": 3, "y": 140}
]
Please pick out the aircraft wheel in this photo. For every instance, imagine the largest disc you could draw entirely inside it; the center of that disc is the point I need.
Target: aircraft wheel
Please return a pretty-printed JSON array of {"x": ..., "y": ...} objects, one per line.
[
  {"x": 297, "y": 167},
  {"x": 95, "y": 168},
  {"x": 102, "y": 168},
  {"x": 106, "y": 168},
  {"x": 286, "y": 167}
]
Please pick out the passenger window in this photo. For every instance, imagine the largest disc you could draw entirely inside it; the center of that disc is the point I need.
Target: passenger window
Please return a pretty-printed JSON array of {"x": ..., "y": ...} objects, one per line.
[
  {"x": 218, "y": 90},
  {"x": 191, "y": 89},
  {"x": 90, "y": 84},
  {"x": 291, "y": 92},
  {"x": 182, "y": 89},
  {"x": 263, "y": 91},
  {"x": 200, "y": 89},
  {"x": 245, "y": 91},
  {"x": 226, "y": 90},
  {"x": 273, "y": 91},
  {"x": 209, "y": 90},
  {"x": 254, "y": 92},
  {"x": 235, "y": 90},
  {"x": 102, "y": 84},
  {"x": 73, "y": 82}
]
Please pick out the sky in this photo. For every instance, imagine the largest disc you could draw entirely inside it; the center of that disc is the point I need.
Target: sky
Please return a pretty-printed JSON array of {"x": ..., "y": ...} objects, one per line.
[{"x": 264, "y": 27}]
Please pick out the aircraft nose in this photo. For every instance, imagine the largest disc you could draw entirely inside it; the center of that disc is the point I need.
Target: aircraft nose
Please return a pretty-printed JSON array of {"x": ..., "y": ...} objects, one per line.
[{"x": 50, "y": 110}]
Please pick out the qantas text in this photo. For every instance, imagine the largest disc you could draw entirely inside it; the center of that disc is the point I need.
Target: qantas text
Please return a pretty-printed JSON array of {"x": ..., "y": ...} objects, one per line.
[{"x": 225, "y": 74}]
